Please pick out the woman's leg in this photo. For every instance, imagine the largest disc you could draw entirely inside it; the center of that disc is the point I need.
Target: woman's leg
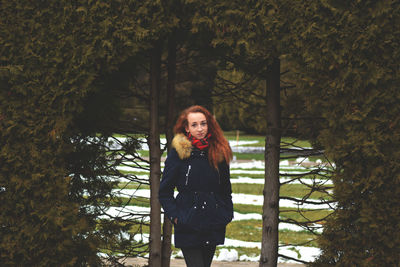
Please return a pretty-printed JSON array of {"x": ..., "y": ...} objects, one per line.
[
  {"x": 208, "y": 254},
  {"x": 193, "y": 257},
  {"x": 198, "y": 257}
]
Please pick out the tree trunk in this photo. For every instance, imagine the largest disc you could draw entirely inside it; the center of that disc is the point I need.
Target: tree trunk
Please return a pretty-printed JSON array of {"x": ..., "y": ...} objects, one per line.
[
  {"x": 167, "y": 225},
  {"x": 155, "y": 158},
  {"x": 269, "y": 245}
]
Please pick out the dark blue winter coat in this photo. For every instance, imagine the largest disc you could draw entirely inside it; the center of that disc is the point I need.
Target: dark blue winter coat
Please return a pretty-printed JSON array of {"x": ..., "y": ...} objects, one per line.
[{"x": 203, "y": 205}]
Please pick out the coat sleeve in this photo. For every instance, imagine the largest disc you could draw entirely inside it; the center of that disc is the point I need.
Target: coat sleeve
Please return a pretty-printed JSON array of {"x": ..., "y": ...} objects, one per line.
[
  {"x": 226, "y": 187},
  {"x": 168, "y": 182},
  {"x": 225, "y": 176}
]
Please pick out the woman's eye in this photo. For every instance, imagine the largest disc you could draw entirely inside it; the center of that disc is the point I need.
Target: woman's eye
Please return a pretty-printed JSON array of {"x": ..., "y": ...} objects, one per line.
[
  {"x": 194, "y": 125},
  {"x": 203, "y": 123}
]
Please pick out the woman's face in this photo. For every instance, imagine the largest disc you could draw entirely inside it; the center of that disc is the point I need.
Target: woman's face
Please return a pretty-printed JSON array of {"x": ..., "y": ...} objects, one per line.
[{"x": 197, "y": 125}]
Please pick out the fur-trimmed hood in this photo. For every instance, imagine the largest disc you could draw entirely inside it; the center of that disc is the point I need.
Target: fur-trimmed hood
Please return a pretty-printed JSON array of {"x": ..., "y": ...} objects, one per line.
[{"x": 182, "y": 146}]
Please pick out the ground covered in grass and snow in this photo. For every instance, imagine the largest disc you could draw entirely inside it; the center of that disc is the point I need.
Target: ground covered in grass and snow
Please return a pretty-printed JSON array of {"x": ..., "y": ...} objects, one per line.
[{"x": 244, "y": 172}]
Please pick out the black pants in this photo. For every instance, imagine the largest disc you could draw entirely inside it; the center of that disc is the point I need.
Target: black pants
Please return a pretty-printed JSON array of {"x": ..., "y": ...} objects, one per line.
[{"x": 198, "y": 257}]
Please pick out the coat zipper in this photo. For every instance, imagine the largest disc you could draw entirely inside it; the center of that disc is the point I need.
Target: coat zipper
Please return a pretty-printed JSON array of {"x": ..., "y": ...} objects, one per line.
[{"x": 187, "y": 174}]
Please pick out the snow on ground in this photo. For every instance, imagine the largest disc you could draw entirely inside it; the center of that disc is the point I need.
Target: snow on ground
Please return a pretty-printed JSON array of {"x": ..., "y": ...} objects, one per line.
[
  {"x": 234, "y": 143},
  {"x": 299, "y": 252},
  {"x": 282, "y": 171},
  {"x": 227, "y": 255},
  {"x": 247, "y": 171},
  {"x": 259, "y": 200},
  {"x": 303, "y": 253},
  {"x": 258, "y": 164},
  {"x": 248, "y": 180}
]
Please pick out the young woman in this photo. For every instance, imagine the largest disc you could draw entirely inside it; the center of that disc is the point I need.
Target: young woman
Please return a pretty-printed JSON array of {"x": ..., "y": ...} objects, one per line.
[{"x": 198, "y": 166}]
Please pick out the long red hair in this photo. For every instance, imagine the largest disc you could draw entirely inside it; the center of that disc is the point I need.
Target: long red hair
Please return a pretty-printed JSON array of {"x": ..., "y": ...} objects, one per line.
[{"x": 219, "y": 148}]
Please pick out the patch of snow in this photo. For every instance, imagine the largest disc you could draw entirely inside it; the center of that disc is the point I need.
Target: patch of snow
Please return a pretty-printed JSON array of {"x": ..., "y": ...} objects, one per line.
[
  {"x": 127, "y": 212},
  {"x": 248, "y": 180},
  {"x": 227, "y": 255},
  {"x": 284, "y": 163},
  {"x": 130, "y": 169},
  {"x": 259, "y": 164},
  {"x": 301, "y": 159},
  {"x": 282, "y": 226},
  {"x": 239, "y": 243},
  {"x": 247, "y": 172},
  {"x": 177, "y": 255},
  {"x": 248, "y": 165},
  {"x": 248, "y": 258},
  {"x": 248, "y": 149},
  {"x": 299, "y": 252},
  {"x": 259, "y": 200},
  {"x": 142, "y": 238},
  {"x": 248, "y": 216},
  {"x": 234, "y": 143}
]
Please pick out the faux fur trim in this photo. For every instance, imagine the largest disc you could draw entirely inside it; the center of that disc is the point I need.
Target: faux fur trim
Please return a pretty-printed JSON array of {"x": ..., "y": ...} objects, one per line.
[{"x": 182, "y": 145}]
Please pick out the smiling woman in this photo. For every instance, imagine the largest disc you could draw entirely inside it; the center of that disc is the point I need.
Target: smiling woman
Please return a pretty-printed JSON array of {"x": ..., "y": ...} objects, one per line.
[
  {"x": 198, "y": 166},
  {"x": 197, "y": 125}
]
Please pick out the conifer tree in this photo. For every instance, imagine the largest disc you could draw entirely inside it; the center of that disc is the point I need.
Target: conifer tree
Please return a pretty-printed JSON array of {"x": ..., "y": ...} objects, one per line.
[
  {"x": 54, "y": 165},
  {"x": 350, "y": 52}
]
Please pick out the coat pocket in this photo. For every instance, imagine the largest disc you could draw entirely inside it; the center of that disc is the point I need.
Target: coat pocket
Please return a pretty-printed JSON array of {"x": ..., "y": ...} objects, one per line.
[
  {"x": 223, "y": 211},
  {"x": 188, "y": 211},
  {"x": 210, "y": 211}
]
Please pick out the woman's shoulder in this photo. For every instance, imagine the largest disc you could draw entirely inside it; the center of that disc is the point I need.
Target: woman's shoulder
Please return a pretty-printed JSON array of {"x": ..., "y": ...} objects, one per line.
[{"x": 182, "y": 146}]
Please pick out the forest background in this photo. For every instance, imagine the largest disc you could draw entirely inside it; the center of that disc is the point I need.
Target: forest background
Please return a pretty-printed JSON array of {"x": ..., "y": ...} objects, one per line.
[{"x": 72, "y": 74}]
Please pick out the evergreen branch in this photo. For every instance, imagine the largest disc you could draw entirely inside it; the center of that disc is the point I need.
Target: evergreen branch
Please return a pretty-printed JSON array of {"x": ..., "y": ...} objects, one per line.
[{"x": 290, "y": 258}]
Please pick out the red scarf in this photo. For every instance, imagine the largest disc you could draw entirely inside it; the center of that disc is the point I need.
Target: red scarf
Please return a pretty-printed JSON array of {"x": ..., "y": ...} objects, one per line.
[{"x": 199, "y": 143}]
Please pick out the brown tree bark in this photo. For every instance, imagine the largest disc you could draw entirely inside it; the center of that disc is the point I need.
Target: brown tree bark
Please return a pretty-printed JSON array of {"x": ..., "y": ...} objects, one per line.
[
  {"x": 167, "y": 225},
  {"x": 155, "y": 158},
  {"x": 270, "y": 238}
]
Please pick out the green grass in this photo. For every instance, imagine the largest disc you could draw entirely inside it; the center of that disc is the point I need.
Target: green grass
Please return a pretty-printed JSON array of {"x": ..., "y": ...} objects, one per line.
[
  {"x": 146, "y": 153},
  {"x": 248, "y": 156},
  {"x": 250, "y": 175},
  {"x": 251, "y": 231},
  {"x": 301, "y": 238},
  {"x": 282, "y": 169},
  {"x": 292, "y": 190},
  {"x": 133, "y": 185},
  {"x": 285, "y": 213},
  {"x": 285, "y": 141},
  {"x": 305, "y": 215},
  {"x": 137, "y": 201},
  {"x": 289, "y": 142},
  {"x": 135, "y": 172},
  {"x": 251, "y": 252}
]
